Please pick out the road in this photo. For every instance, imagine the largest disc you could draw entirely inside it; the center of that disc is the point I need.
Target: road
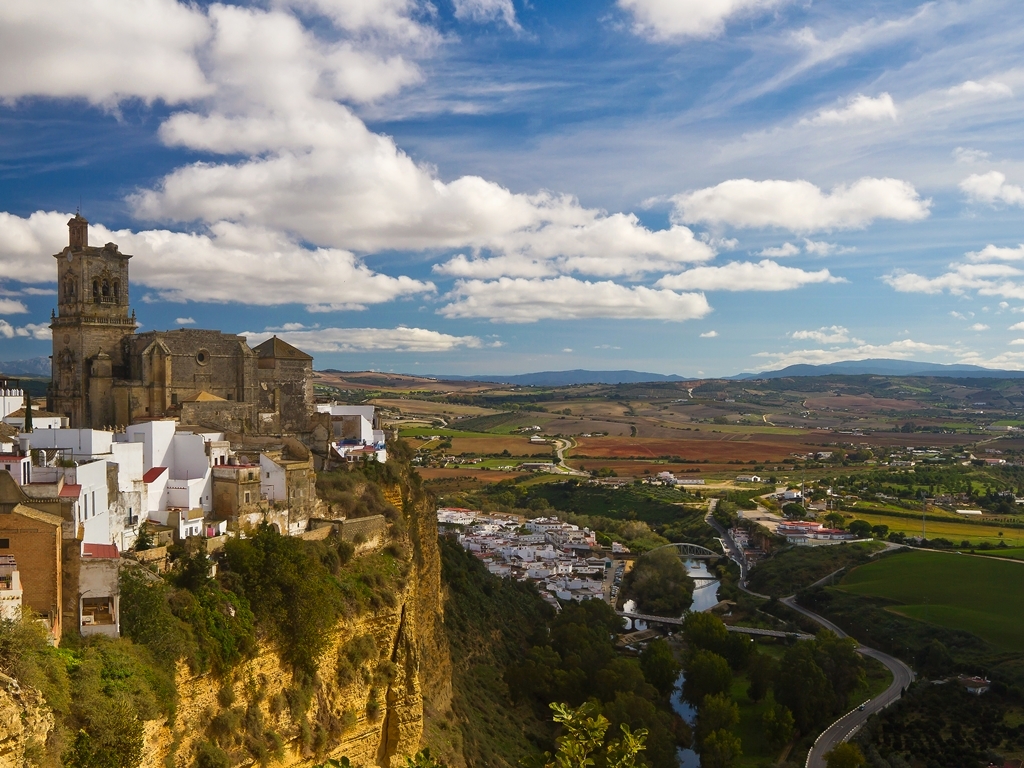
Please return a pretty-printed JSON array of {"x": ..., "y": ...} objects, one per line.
[
  {"x": 843, "y": 728},
  {"x": 561, "y": 446},
  {"x": 733, "y": 551}
]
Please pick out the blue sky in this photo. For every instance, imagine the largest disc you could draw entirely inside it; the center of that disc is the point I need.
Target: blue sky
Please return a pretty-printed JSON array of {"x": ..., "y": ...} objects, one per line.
[{"x": 489, "y": 186}]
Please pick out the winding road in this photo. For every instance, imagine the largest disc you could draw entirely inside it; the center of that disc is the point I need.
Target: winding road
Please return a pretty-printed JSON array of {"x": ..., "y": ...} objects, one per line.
[{"x": 843, "y": 728}]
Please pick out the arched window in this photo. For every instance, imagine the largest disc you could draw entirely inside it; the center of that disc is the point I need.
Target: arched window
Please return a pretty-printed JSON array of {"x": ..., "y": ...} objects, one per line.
[
  {"x": 96, "y": 291},
  {"x": 117, "y": 290},
  {"x": 106, "y": 289}
]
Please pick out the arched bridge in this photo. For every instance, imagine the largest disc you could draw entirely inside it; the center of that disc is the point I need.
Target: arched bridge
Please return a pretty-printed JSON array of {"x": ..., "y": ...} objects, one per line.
[{"x": 691, "y": 551}]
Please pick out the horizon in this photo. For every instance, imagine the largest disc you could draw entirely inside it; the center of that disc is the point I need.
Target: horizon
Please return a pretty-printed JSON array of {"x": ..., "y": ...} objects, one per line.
[{"x": 502, "y": 186}]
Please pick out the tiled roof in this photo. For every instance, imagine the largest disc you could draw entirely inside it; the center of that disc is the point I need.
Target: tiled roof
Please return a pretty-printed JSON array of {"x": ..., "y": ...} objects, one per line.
[
  {"x": 153, "y": 474},
  {"x": 70, "y": 491},
  {"x": 100, "y": 550}
]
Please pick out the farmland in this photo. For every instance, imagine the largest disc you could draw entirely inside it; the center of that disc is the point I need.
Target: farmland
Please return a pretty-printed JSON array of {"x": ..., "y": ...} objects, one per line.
[{"x": 977, "y": 594}]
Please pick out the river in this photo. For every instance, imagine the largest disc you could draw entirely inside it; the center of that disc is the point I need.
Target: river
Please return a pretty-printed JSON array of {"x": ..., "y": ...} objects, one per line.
[{"x": 687, "y": 758}]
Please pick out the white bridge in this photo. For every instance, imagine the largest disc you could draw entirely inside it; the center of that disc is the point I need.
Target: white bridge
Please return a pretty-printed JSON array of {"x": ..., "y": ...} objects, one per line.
[
  {"x": 690, "y": 551},
  {"x": 742, "y": 630}
]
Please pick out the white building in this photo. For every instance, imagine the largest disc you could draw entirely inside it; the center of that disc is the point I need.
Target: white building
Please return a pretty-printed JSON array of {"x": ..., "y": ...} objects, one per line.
[
  {"x": 356, "y": 432},
  {"x": 11, "y": 400},
  {"x": 10, "y": 589}
]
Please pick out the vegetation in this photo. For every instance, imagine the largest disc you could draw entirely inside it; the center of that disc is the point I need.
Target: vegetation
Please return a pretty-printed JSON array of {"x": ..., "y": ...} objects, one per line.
[
  {"x": 659, "y": 584},
  {"x": 796, "y": 568}
]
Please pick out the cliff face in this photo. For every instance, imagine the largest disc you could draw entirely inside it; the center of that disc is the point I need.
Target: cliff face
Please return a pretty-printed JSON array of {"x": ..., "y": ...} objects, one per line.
[
  {"x": 368, "y": 698},
  {"x": 25, "y": 722}
]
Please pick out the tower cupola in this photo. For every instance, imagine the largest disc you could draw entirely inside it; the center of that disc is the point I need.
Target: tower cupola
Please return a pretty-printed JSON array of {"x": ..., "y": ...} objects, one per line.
[{"x": 78, "y": 230}]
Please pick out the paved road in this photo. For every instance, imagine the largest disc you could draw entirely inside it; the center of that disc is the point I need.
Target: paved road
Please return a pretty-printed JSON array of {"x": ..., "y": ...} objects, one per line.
[
  {"x": 843, "y": 728},
  {"x": 733, "y": 551}
]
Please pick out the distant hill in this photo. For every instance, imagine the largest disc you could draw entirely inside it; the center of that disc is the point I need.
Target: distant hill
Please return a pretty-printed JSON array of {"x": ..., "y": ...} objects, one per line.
[
  {"x": 37, "y": 366},
  {"x": 566, "y": 378},
  {"x": 885, "y": 367}
]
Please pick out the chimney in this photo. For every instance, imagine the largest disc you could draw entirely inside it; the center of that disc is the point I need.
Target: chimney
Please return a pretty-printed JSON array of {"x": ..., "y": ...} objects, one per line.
[
  {"x": 25, "y": 444},
  {"x": 78, "y": 229}
]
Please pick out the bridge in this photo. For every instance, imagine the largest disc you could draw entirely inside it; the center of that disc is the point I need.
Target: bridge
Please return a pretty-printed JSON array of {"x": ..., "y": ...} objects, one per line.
[
  {"x": 690, "y": 551},
  {"x": 742, "y": 630}
]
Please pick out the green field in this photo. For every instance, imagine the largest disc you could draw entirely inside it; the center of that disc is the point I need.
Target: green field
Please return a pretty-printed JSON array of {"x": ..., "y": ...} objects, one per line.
[
  {"x": 947, "y": 528},
  {"x": 979, "y": 595}
]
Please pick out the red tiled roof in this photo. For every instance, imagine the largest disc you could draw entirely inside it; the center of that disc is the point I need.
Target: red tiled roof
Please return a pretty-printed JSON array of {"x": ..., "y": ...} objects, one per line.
[
  {"x": 70, "y": 491},
  {"x": 100, "y": 550},
  {"x": 153, "y": 474}
]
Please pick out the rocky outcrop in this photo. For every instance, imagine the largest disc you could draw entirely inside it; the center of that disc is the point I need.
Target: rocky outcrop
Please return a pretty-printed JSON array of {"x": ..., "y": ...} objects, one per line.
[{"x": 25, "y": 723}]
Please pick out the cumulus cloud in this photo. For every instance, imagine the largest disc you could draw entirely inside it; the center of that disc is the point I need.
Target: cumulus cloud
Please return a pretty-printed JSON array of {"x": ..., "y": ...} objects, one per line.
[
  {"x": 12, "y": 307},
  {"x": 668, "y": 19},
  {"x": 37, "y": 331},
  {"x": 832, "y": 334},
  {"x": 801, "y": 206},
  {"x": 985, "y": 89},
  {"x": 1016, "y": 327},
  {"x": 709, "y": 335},
  {"x": 520, "y": 300},
  {"x": 184, "y": 321},
  {"x": 764, "y": 275},
  {"x": 102, "y": 50},
  {"x": 811, "y": 247},
  {"x": 781, "y": 251},
  {"x": 996, "y": 253},
  {"x": 1017, "y": 342},
  {"x": 968, "y": 155},
  {"x": 400, "y": 339},
  {"x": 988, "y": 272},
  {"x": 487, "y": 10},
  {"x": 978, "y": 327},
  {"x": 859, "y": 109},
  {"x": 902, "y": 349},
  {"x": 992, "y": 188},
  {"x": 228, "y": 264}
]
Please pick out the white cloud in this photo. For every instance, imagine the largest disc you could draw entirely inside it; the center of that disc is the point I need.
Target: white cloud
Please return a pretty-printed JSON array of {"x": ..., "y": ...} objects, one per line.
[
  {"x": 12, "y": 307},
  {"x": 1016, "y": 327},
  {"x": 400, "y": 339},
  {"x": 184, "y": 321},
  {"x": 765, "y": 275},
  {"x": 859, "y": 109},
  {"x": 801, "y": 206},
  {"x": 833, "y": 334},
  {"x": 1017, "y": 341},
  {"x": 102, "y": 50},
  {"x": 667, "y": 19},
  {"x": 968, "y": 155},
  {"x": 786, "y": 249},
  {"x": 709, "y": 335},
  {"x": 486, "y": 10},
  {"x": 822, "y": 248},
  {"x": 228, "y": 264},
  {"x": 986, "y": 89},
  {"x": 391, "y": 18},
  {"x": 567, "y": 349},
  {"x": 978, "y": 327},
  {"x": 996, "y": 253},
  {"x": 987, "y": 272},
  {"x": 992, "y": 188},
  {"x": 902, "y": 349},
  {"x": 37, "y": 331},
  {"x": 519, "y": 300}
]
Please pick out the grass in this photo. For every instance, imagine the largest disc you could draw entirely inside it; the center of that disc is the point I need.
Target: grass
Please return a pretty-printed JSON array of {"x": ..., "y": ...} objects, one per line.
[
  {"x": 951, "y": 529},
  {"x": 974, "y": 594},
  {"x": 439, "y": 431}
]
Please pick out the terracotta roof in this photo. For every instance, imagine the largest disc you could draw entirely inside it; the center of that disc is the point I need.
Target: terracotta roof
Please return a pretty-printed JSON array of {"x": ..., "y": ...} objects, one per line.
[
  {"x": 153, "y": 474},
  {"x": 100, "y": 550},
  {"x": 275, "y": 347},
  {"x": 70, "y": 491},
  {"x": 204, "y": 397}
]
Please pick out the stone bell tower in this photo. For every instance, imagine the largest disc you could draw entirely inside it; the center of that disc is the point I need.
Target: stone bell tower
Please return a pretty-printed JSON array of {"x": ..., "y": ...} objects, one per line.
[{"x": 89, "y": 329}]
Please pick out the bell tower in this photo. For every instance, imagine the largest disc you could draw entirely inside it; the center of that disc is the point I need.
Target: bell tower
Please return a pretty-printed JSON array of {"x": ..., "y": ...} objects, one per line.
[{"x": 93, "y": 319}]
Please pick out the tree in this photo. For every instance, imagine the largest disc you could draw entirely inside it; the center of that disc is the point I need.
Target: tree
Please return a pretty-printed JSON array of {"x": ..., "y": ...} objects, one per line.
[
  {"x": 705, "y": 631},
  {"x": 721, "y": 750},
  {"x": 716, "y": 713},
  {"x": 660, "y": 666},
  {"x": 144, "y": 540},
  {"x": 28, "y": 413},
  {"x": 776, "y": 723},
  {"x": 861, "y": 529},
  {"x": 660, "y": 584},
  {"x": 880, "y": 531},
  {"x": 583, "y": 739},
  {"x": 845, "y": 755},
  {"x": 835, "y": 519},
  {"x": 761, "y": 672},
  {"x": 706, "y": 674},
  {"x": 802, "y": 686}
]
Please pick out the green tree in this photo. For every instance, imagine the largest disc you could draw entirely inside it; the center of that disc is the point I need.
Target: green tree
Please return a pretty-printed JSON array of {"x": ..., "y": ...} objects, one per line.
[
  {"x": 660, "y": 666},
  {"x": 707, "y": 673},
  {"x": 761, "y": 672},
  {"x": 776, "y": 723},
  {"x": 705, "y": 631},
  {"x": 721, "y": 750},
  {"x": 802, "y": 686},
  {"x": 716, "y": 713},
  {"x": 583, "y": 740},
  {"x": 660, "y": 584},
  {"x": 845, "y": 755},
  {"x": 835, "y": 519},
  {"x": 861, "y": 529}
]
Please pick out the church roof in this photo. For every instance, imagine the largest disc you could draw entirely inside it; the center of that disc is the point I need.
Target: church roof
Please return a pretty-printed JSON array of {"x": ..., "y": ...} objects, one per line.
[
  {"x": 204, "y": 397},
  {"x": 282, "y": 350}
]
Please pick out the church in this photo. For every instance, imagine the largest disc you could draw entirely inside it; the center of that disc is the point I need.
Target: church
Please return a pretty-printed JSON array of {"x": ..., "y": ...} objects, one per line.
[{"x": 105, "y": 375}]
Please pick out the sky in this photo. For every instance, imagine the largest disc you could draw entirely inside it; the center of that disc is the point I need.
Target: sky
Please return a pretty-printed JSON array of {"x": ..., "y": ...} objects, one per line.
[{"x": 698, "y": 187}]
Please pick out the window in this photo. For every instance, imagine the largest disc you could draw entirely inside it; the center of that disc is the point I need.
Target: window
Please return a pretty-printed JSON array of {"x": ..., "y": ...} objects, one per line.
[
  {"x": 246, "y": 497},
  {"x": 174, "y": 399},
  {"x": 5, "y": 543},
  {"x": 250, "y": 476},
  {"x": 202, "y": 357}
]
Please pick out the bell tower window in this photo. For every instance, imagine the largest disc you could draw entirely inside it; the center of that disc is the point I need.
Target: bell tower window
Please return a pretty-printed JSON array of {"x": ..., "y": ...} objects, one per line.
[
  {"x": 117, "y": 290},
  {"x": 96, "y": 291}
]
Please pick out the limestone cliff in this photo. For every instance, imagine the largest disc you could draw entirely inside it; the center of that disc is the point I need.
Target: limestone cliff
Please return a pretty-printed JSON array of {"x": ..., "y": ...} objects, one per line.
[
  {"x": 367, "y": 700},
  {"x": 25, "y": 722}
]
